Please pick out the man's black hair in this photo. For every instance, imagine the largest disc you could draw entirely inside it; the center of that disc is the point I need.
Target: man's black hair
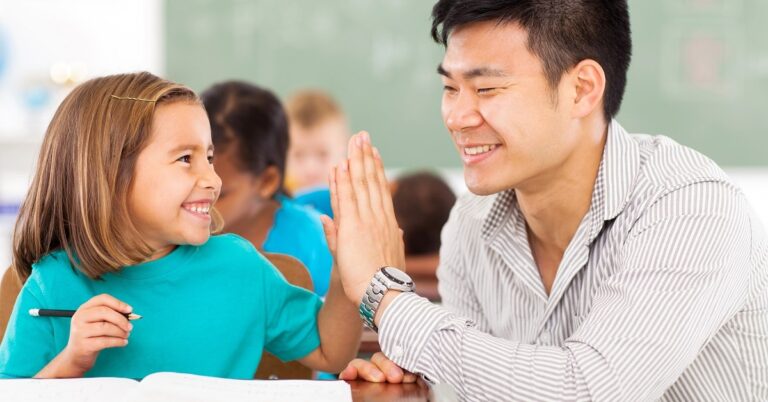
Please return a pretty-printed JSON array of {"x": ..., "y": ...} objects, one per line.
[{"x": 561, "y": 33}]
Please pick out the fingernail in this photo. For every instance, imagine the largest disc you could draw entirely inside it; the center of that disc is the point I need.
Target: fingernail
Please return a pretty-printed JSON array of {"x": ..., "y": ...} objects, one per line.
[
  {"x": 366, "y": 137},
  {"x": 359, "y": 141},
  {"x": 344, "y": 166},
  {"x": 376, "y": 153},
  {"x": 125, "y": 342},
  {"x": 378, "y": 376},
  {"x": 130, "y": 327},
  {"x": 393, "y": 372}
]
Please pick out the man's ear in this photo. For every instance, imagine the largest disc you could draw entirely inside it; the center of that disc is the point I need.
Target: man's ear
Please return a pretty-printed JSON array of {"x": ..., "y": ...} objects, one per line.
[
  {"x": 588, "y": 79},
  {"x": 269, "y": 182}
]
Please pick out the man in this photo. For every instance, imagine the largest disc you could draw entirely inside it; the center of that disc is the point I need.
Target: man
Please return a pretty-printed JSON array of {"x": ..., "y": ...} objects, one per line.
[{"x": 588, "y": 264}]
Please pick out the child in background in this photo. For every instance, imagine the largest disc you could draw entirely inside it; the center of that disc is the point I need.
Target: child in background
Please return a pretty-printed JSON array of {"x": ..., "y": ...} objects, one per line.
[
  {"x": 422, "y": 203},
  {"x": 118, "y": 220},
  {"x": 319, "y": 135},
  {"x": 250, "y": 132}
]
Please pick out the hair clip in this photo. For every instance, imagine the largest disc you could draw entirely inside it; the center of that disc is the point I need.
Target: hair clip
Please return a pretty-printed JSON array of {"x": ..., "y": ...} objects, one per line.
[{"x": 130, "y": 98}]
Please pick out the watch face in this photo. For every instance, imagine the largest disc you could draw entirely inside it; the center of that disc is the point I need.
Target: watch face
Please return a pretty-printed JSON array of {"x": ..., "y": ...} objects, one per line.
[{"x": 397, "y": 275}]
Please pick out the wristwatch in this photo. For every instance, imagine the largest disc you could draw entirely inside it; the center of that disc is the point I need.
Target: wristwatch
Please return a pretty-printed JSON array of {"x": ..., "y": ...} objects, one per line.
[{"x": 385, "y": 279}]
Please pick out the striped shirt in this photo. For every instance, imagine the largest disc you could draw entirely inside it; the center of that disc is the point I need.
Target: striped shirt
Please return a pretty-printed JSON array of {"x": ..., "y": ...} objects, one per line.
[{"x": 662, "y": 294}]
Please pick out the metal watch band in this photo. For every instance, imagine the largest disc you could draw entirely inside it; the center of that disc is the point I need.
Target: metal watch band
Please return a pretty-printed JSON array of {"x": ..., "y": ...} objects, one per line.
[{"x": 374, "y": 293}]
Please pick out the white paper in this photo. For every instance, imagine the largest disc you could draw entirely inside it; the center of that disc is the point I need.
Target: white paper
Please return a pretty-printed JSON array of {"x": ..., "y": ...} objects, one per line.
[
  {"x": 173, "y": 387},
  {"x": 66, "y": 390},
  {"x": 187, "y": 387}
]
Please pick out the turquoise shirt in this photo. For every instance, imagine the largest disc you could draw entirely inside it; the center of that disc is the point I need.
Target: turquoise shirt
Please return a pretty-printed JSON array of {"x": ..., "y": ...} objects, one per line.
[
  {"x": 318, "y": 198},
  {"x": 208, "y": 310},
  {"x": 298, "y": 232}
]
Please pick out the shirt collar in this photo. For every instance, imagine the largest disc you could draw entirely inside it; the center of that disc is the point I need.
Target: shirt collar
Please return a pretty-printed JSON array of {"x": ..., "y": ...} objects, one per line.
[{"x": 616, "y": 177}]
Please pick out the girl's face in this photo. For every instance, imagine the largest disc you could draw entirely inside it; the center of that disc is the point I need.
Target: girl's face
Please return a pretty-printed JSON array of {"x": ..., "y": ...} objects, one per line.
[{"x": 174, "y": 184}]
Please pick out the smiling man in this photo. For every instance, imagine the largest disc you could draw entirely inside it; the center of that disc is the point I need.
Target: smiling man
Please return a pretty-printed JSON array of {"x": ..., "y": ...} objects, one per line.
[{"x": 587, "y": 263}]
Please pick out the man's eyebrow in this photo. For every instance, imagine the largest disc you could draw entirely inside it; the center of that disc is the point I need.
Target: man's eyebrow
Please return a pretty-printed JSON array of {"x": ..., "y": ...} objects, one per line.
[
  {"x": 442, "y": 71},
  {"x": 474, "y": 73}
]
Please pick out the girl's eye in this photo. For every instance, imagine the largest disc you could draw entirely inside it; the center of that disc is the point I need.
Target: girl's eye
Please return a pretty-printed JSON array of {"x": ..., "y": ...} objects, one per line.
[
  {"x": 184, "y": 158},
  {"x": 210, "y": 159}
]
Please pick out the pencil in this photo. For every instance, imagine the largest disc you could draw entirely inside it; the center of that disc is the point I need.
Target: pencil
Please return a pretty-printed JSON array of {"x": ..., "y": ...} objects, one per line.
[{"x": 41, "y": 312}]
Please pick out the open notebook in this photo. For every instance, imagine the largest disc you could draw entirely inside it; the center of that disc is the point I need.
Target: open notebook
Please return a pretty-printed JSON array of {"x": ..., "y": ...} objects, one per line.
[{"x": 173, "y": 387}]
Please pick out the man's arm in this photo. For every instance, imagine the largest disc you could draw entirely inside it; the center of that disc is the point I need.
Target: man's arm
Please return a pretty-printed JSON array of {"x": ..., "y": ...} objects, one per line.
[{"x": 648, "y": 322}]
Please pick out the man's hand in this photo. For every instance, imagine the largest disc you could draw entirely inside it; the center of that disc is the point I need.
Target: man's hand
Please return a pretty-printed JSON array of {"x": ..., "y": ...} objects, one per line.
[
  {"x": 364, "y": 236},
  {"x": 379, "y": 369}
]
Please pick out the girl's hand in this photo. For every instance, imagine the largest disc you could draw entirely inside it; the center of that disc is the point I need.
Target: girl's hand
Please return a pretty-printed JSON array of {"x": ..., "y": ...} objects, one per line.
[
  {"x": 98, "y": 324},
  {"x": 364, "y": 235}
]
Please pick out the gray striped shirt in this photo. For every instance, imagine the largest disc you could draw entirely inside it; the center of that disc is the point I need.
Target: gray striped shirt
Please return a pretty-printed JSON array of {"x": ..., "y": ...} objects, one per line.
[{"x": 661, "y": 294}]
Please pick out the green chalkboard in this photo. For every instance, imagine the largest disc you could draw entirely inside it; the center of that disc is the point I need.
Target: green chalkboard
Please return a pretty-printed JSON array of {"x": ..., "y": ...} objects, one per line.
[{"x": 699, "y": 71}]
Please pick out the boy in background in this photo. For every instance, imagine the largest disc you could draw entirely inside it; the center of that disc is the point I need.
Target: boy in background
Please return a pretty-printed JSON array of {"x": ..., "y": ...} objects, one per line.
[{"x": 318, "y": 141}]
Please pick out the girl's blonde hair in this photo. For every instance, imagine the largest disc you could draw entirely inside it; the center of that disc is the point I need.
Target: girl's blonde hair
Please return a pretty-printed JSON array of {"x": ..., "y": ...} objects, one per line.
[{"x": 77, "y": 200}]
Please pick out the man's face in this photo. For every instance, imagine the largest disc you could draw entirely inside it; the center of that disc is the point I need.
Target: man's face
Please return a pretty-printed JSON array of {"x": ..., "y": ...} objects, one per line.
[{"x": 510, "y": 128}]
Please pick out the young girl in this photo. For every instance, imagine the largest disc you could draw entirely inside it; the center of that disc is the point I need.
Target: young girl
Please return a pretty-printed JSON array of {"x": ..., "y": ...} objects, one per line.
[
  {"x": 118, "y": 220},
  {"x": 250, "y": 131}
]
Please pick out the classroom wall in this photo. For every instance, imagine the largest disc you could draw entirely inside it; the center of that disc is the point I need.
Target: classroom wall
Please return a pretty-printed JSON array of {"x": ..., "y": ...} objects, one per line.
[
  {"x": 47, "y": 47},
  {"x": 699, "y": 72}
]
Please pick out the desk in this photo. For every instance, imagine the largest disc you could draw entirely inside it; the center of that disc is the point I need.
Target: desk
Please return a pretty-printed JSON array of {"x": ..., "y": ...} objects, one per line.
[
  {"x": 363, "y": 391},
  {"x": 369, "y": 342}
]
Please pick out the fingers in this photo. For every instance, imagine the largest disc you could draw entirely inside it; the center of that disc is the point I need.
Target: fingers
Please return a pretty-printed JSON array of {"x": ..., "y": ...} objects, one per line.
[
  {"x": 409, "y": 377},
  {"x": 363, "y": 370},
  {"x": 393, "y": 372},
  {"x": 105, "y": 314},
  {"x": 104, "y": 329},
  {"x": 358, "y": 174},
  {"x": 379, "y": 369},
  {"x": 109, "y": 301},
  {"x": 334, "y": 192},
  {"x": 330, "y": 233},
  {"x": 349, "y": 373},
  {"x": 346, "y": 197},
  {"x": 383, "y": 186},
  {"x": 104, "y": 342},
  {"x": 372, "y": 178}
]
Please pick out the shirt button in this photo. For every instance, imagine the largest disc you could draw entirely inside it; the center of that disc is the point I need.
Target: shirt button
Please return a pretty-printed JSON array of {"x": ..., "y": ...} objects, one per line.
[
  {"x": 545, "y": 338},
  {"x": 397, "y": 351}
]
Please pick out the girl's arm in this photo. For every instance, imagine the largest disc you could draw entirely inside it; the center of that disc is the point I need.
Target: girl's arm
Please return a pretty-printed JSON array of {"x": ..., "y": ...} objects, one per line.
[{"x": 340, "y": 328}]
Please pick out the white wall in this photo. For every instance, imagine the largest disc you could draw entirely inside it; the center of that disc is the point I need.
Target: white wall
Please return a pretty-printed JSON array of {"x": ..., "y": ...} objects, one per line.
[{"x": 89, "y": 37}]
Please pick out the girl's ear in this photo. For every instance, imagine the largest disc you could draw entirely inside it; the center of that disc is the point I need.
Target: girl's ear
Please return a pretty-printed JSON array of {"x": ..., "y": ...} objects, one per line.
[{"x": 269, "y": 182}]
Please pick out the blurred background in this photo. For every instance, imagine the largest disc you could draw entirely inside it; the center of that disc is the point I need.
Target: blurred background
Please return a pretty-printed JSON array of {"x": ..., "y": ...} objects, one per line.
[{"x": 699, "y": 72}]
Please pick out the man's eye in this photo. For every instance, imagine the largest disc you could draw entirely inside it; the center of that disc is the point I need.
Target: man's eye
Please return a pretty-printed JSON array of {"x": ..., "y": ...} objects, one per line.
[
  {"x": 448, "y": 88},
  {"x": 184, "y": 158},
  {"x": 210, "y": 159},
  {"x": 485, "y": 90}
]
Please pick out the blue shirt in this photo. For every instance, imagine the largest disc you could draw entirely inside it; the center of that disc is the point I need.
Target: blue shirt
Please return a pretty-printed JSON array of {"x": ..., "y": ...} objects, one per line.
[
  {"x": 298, "y": 232},
  {"x": 318, "y": 198},
  {"x": 208, "y": 310}
]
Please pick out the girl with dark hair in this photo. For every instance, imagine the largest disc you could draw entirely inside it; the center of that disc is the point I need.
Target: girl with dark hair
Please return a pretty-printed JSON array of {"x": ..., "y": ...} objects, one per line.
[{"x": 250, "y": 132}]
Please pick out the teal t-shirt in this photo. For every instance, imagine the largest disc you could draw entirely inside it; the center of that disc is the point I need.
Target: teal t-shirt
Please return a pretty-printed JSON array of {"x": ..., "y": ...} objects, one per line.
[
  {"x": 298, "y": 232},
  {"x": 208, "y": 310}
]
